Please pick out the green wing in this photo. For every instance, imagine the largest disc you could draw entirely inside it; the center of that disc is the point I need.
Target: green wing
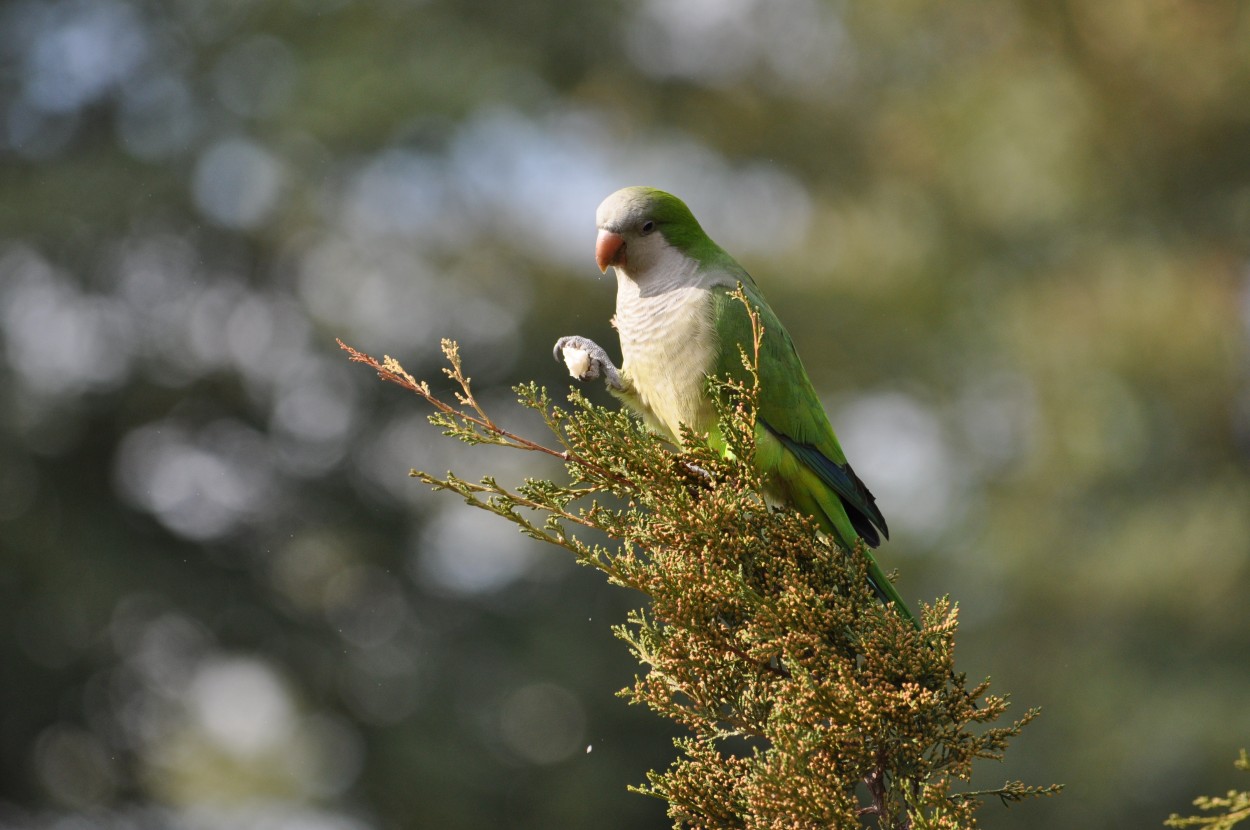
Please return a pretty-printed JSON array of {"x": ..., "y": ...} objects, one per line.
[
  {"x": 793, "y": 420},
  {"x": 796, "y": 448}
]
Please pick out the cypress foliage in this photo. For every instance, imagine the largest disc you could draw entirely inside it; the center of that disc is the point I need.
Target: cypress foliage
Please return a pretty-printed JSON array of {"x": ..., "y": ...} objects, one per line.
[
  {"x": 1229, "y": 810},
  {"x": 808, "y": 702}
]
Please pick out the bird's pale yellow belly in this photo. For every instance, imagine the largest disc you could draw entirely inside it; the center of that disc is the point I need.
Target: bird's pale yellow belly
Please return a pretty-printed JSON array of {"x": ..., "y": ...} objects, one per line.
[{"x": 668, "y": 347}]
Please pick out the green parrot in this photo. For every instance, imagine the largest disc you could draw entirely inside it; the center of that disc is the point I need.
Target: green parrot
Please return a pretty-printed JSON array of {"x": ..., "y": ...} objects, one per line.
[{"x": 678, "y": 324}]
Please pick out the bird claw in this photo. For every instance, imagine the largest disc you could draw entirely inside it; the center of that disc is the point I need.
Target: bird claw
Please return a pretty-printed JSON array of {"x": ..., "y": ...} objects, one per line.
[{"x": 591, "y": 364}]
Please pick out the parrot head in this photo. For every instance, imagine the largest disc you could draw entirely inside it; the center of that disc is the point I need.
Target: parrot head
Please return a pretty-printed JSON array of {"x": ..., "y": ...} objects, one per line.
[{"x": 639, "y": 226}]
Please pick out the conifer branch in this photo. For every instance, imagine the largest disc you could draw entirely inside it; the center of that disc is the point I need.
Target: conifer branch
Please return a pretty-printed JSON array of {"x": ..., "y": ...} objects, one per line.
[
  {"x": 758, "y": 628},
  {"x": 1234, "y": 807}
]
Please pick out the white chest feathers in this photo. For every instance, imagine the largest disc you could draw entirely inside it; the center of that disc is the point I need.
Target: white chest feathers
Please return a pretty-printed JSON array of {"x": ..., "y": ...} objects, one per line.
[{"x": 668, "y": 346}]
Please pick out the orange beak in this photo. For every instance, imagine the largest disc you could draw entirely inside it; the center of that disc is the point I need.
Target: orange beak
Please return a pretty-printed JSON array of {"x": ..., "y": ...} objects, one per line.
[{"x": 609, "y": 249}]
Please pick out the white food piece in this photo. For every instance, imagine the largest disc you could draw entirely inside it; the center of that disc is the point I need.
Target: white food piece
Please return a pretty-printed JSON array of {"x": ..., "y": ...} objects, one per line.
[{"x": 578, "y": 361}]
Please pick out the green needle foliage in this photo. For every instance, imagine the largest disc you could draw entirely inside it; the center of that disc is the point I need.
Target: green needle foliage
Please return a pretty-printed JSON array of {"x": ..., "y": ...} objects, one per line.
[
  {"x": 808, "y": 702},
  {"x": 1234, "y": 807}
]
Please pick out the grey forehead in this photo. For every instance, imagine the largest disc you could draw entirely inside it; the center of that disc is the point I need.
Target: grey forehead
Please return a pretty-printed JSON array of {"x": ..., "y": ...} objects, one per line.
[{"x": 622, "y": 208}]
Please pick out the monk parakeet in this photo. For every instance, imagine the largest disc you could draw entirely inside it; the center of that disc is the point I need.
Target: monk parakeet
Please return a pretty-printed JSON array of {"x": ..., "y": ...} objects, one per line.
[{"x": 678, "y": 324}]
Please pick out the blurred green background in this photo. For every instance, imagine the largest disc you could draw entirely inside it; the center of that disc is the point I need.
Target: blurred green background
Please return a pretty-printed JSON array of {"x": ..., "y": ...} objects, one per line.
[{"x": 1011, "y": 241}]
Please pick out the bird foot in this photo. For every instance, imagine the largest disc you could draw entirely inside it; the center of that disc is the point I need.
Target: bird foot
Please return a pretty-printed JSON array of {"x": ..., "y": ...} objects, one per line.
[{"x": 587, "y": 360}]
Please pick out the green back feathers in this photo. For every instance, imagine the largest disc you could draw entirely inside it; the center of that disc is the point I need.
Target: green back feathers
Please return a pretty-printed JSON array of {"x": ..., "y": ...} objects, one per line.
[{"x": 790, "y": 410}]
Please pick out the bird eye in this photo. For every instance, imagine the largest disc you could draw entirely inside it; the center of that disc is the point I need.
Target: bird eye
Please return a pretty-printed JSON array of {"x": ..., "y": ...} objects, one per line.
[{"x": 648, "y": 226}]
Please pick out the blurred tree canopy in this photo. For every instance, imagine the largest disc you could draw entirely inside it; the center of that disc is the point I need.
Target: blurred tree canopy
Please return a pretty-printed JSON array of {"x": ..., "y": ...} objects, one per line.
[{"x": 1010, "y": 241}]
